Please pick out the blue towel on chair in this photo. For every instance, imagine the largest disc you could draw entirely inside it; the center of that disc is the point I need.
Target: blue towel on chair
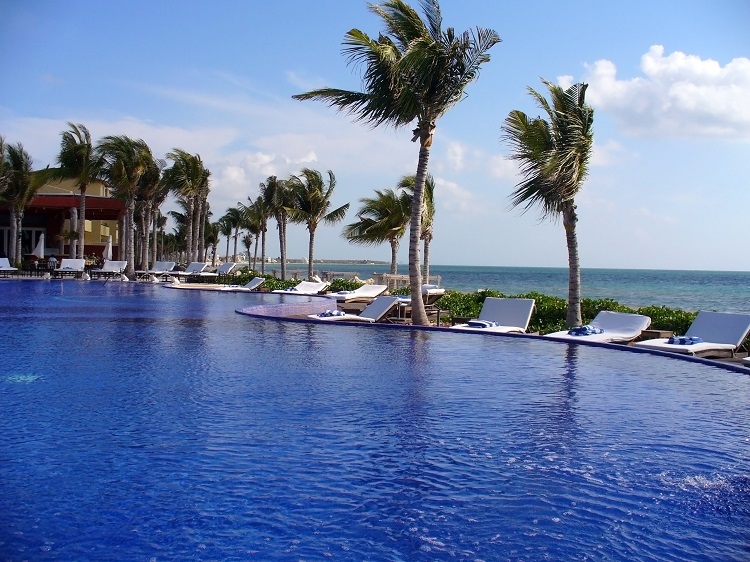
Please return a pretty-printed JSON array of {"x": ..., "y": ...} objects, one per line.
[
  {"x": 482, "y": 323},
  {"x": 586, "y": 330},
  {"x": 682, "y": 340},
  {"x": 331, "y": 313}
]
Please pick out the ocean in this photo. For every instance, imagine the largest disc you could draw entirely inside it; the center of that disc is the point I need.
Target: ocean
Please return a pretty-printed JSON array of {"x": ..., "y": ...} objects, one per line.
[{"x": 722, "y": 291}]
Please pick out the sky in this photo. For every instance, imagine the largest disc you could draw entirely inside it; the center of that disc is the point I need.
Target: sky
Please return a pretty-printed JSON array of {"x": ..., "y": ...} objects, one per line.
[{"x": 668, "y": 184}]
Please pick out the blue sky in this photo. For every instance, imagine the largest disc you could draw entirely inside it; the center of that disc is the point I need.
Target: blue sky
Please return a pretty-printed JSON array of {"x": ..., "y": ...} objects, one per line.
[{"x": 669, "y": 81}]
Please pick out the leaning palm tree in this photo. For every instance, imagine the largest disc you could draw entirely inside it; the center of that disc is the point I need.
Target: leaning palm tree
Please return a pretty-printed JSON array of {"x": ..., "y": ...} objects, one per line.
[
  {"x": 311, "y": 204},
  {"x": 554, "y": 156},
  {"x": 428, "y": 216},
  {"x": 383, "y": 218},
  {"x": 415, "y": 71},
  {"x": 79, "y": 161},
  {"x": 125, "y": 160}
]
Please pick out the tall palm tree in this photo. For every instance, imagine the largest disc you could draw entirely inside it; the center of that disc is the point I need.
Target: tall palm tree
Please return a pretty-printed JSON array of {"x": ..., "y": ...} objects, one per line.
[
  {"x": 188, "y": 179},
  {"x": 262, "y": 212},
  {"x": 554, "y": 156},
  {"x": 148, "y": 192},
  {"x": 78, "y": 160},
  {"x": 277, "y": 198},
  {"x": 414, "y": 71},
  {"x": 158, "y": 221},
  {"x": 428, "y": 216},
  {"x": 311, "y": 205},
  {"x": 383, "y": 218},
  {"x": 225, "y": 229},
  {"x": 125, "y": 160},
  {"x": 255, "y": 219},
  {"x": 19, "y": 189},
  {"x": 234, "y": 217},
  {"x": 212, "y": 241}
]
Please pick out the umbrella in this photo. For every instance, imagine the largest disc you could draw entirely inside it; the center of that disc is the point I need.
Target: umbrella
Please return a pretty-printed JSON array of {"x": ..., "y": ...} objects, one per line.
[
  {"x": 107, "y": 254},
  {"x": 39, "y": 250}
]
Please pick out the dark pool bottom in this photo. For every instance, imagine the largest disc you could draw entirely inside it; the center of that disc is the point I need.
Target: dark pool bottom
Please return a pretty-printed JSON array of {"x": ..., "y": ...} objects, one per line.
[{"x": 138, "y": 423}]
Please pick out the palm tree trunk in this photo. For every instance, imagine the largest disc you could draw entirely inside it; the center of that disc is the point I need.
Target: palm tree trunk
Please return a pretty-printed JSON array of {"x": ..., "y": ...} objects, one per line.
[
  {"x": 236, "y": 235},
  {"x": 189, "y": 228},
  {"x": 570, "y": 218},
  {"x": 19, "y": 228},
  {"x": 418, "y": 314},
  {"x": 394, "y": 255},
  {"x": 310, "y": 259},
  {"x": 255, "y": 254},
  {"x": 426, "y": 259},
  {"x": 145, "y": 234},
  {"x": 130, "y": 237},
  {"x": 82, "y": 223},
  {"x": 263, "y": 252},
  {"x": 13, "y": 238},
  {"x": 282, "y": 246},
  {"x": 200, "y": 226},
  {"x": 155, "y": 235}
]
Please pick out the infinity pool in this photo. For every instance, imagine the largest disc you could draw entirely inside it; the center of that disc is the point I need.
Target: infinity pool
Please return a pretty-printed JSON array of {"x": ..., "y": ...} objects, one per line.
[{"x": 138, "y": 423}]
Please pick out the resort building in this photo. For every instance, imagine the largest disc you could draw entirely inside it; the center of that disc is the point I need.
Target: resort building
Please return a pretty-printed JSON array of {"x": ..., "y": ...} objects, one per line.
[{"x": 53, "y": 212}]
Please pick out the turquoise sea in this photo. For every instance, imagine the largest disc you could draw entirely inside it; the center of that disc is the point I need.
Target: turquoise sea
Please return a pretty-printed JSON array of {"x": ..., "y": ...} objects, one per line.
[{"x": 722, "y": 291}]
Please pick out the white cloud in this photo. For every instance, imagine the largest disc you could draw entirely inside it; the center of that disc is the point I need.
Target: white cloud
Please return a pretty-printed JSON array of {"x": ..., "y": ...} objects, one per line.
[
  {"x": 678, "y": 95},
  {"x": 455, "y": 155},
  {"x": 456, "y": 199},
  {"x": 503, "y": 168},
  {"x": 606, "y": 154}
]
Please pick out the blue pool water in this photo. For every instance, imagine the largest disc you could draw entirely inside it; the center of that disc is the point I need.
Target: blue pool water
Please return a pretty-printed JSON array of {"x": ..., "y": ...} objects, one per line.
[{"x": 140, "y": 423}]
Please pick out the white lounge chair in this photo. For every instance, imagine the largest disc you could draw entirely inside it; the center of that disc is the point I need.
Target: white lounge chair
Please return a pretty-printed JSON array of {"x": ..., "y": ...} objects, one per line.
[
  {"x": 159, "y": 270},
  {"x": 501, "y": 315},
  {"x": 376, "y": 311},
  {"x": 70, "y": 266},
  {"x": 616, "y": 327},
  {"x": 365, "y": 292},
  {"x": 430, "y": 295},
  {"x": 193, "y": 270},
  {"x": 110, "y": 268},
  {"x": 712, "y": 334},
  {"x": 5, "y": 267},
  {"x": 305, "y": 288},
  {"x": 251, "y": 286},
  {"x": 224, "y": 269}
]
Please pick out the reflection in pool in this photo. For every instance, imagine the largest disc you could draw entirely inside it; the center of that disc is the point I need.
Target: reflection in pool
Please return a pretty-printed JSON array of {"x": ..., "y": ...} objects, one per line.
[{"x": 141, "y": 423}]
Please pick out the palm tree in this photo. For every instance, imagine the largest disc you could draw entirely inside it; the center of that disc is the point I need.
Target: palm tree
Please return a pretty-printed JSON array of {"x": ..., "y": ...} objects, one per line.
[
  {"x": 277, "y": 198},
  {"x": 19, "y": 188},
  {"x": 428, "y": 216},
  {"x": 188, "y": 179},
  {"x": 225, "y": 229},
  {"x": 149, "y": 191},
  {"x": 311, "y": 204},
  {"x": 383, "y": 218},
  {"x": 414, "y": 72},
  {"x": 212, "y": 241},
  {"x": 234, "y": 217},
  {"x": 554, "y": 156},
  {"x": 78, "y": 160},
  {"x": 255, "y": 219},
  {"x": 125, "y": 160}
]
